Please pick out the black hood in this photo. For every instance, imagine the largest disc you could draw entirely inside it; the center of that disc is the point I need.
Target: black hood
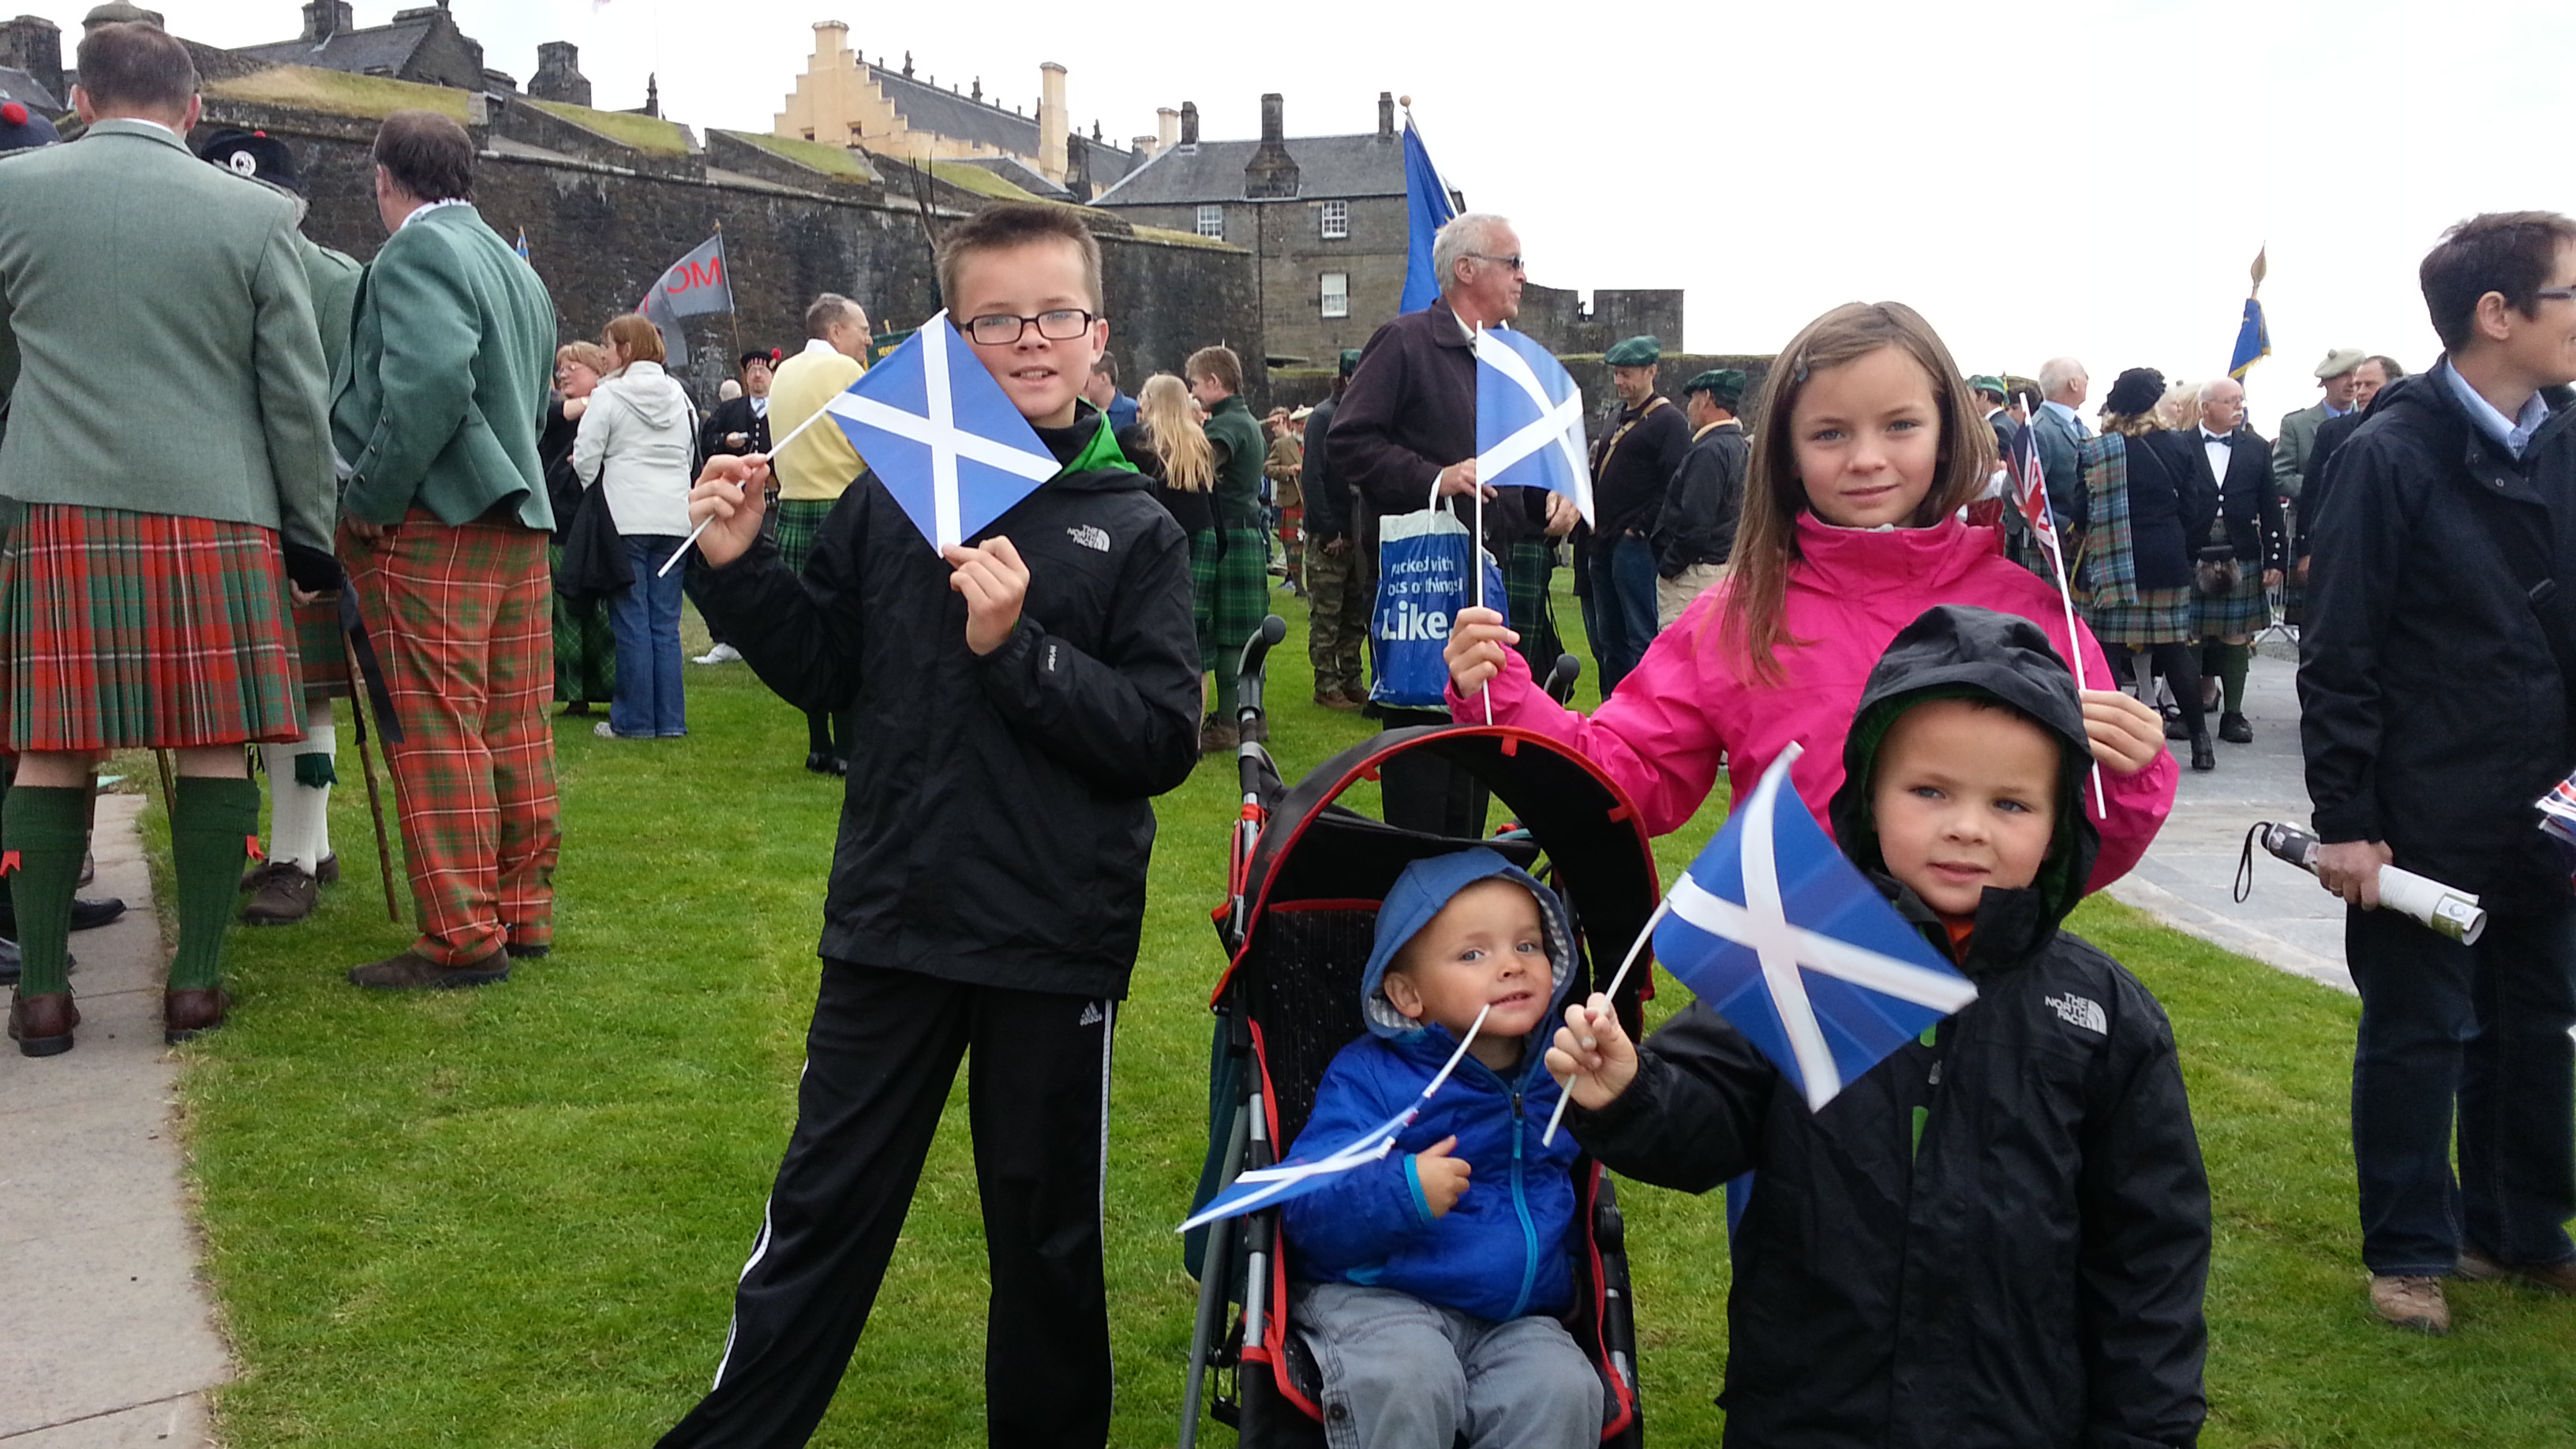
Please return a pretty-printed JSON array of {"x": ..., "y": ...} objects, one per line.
[{"x": 1953, "y": 652}]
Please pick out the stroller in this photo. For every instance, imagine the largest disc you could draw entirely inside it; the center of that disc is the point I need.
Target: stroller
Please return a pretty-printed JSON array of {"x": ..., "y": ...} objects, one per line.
[{"x": 1306, "y": 879}]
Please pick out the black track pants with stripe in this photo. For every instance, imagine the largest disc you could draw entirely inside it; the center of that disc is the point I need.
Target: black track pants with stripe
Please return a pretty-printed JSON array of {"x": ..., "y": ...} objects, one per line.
[{"x": 880, "y": 1057}]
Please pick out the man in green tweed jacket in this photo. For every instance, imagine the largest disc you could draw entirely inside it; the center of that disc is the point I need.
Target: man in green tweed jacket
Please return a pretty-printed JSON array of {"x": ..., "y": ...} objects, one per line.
[
  {"x": 445, "y": 538},
  {"x": 142, "y": 589}
]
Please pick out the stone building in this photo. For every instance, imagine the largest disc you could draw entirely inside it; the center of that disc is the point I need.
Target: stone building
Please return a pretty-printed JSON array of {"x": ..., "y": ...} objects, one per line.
[
  {"x": 421, "y": 44},
  {"x": 1557, "y": 317},
  {"x": 845, "y": 99}
]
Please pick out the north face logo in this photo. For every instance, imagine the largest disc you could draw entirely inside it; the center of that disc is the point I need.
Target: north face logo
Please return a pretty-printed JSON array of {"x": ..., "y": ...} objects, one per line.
[
  {"x": 1089, "y": 536},
  {"x": 2078, "y": 1011}
]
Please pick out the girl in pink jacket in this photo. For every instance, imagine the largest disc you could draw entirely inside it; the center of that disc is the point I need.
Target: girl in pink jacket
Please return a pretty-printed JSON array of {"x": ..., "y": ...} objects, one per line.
[{"x": 1864, "y": 457}]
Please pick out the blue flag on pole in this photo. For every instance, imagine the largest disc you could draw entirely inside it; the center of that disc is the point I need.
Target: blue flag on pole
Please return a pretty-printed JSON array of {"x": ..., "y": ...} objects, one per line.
[
  {"x": 1786, "y": 940},
  {"x": 522, "y": 248},
  {"x": 1427, "y": 207},
  {"x": 940, "y": 435},
  {"x": 1529, "y": 419},
  {"x": 2253, "y": 340}
]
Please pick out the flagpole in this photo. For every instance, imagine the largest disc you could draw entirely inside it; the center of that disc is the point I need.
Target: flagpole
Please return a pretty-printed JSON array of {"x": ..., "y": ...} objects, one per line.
[
  {"x": 1645, "y": 933},
  {"x": 774, "y": 450},
  {"x": 733, "y": 314},
  {"x": 2074, "y": 647},
  {"x": 1476, "y": 565}
]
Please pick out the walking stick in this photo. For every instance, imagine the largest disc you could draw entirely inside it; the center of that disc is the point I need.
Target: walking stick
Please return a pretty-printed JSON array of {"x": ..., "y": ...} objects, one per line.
[
  {"x": 375, "y": 804},
  {"x": 169, "y": 791}
]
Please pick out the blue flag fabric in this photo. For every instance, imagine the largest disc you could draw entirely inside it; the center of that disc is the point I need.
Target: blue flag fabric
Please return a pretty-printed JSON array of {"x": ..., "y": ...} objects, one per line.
[
  {"x": 522, "y": 248},
  {"x": 1529, "y": 419},
  {"x": 941, "y": 436},
  {"x": 1427, "y": 208},
  {"x": 1783, "y": 937},
  {"x": 2253, "y": 341}
]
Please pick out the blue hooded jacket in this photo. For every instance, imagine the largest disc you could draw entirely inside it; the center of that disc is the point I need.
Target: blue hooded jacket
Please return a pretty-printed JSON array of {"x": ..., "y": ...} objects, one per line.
[{"x": 1501, "y": 1253}]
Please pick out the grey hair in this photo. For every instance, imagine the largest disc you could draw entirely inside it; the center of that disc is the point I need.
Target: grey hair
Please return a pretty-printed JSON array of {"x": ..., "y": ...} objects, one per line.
[
  {"x": 1470, "y": 231},
  {"x": 829, "y": 309},
  {"x": 2214, "y": 384},
  {"x": 2056, "y": 373}
]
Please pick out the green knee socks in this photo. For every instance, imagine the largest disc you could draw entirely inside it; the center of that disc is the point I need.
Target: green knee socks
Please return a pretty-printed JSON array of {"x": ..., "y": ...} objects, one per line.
[
  {"x": 212, "y": 824},
  {"x": 47, "y": 830},
  {"x": 2233, "y": 661}
]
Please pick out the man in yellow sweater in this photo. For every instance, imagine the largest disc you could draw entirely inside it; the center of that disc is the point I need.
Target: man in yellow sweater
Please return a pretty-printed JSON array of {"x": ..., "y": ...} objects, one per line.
[{"x": 818, "y": 467}]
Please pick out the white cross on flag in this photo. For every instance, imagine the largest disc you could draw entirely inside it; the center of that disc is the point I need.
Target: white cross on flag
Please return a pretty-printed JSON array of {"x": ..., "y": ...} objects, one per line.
[
  {"x": 1529, "y": 419},
  {"x": 938, "y": 432},
  {"x": 1793, "y": 946}
]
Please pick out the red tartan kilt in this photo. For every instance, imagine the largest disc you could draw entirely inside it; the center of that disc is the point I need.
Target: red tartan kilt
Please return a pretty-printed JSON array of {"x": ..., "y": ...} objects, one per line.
[
  {"x": 322, "y": 651},
  {"x": 127, "y": 630}
]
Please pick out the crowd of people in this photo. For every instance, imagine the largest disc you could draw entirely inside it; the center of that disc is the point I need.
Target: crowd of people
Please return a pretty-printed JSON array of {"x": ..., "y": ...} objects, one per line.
[{"x": 2005, "y": 1223}]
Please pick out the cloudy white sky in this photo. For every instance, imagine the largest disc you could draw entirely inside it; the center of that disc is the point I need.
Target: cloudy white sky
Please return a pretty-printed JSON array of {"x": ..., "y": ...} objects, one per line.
[{"x": 2081, "y": 177}]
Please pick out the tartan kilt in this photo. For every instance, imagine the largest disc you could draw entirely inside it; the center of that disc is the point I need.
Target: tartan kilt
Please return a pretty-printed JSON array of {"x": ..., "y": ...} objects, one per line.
[
  {"x": 1229, "y": 589},
  {"x": 2248, "y": 610},
  {"x": 322, "y": 651},
  {"x": 123, "y": 630},
  {"x": 800, "y": 522},
  {"x": 2160, "y": 616},
  {"x": 1525, "y": 595}
]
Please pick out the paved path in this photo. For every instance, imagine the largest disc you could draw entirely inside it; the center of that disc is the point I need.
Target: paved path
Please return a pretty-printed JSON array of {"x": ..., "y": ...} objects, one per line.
[
  {"x": 107, "y": 1339},
  {"x": 2187, "y": 876}
]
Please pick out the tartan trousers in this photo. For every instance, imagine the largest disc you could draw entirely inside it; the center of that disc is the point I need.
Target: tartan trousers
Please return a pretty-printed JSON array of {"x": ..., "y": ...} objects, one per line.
[{"x": 462, "y": 619}]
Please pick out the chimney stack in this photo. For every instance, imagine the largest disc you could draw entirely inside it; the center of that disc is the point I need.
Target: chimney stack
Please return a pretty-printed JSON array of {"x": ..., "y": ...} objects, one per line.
[
  {"x": 1077, "y": 167},
  {"x": 326, "y": 18},
  {"x": 1386, "y": 115},
  {"x": 1189, "y": 123},
  {"x": 1051, "y": 123},
  {"x": 559, "y": 76},
  {"x": 1271, "y": 172},
  {"x": 35, "y": 45},
  {"x": 1167, "y": 129}
]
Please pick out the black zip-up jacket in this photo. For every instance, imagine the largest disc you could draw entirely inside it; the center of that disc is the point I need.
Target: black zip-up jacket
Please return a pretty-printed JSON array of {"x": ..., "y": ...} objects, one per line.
[
  {"x": 2441, "y": 640},
  {"x": 1410, "y": 411},
  {"x": 1328, "y": 499},
  {"x": 996, "y": 828},
  {"x": 1997, "y": 1240},
  {"x": 1704, "y": 502}
]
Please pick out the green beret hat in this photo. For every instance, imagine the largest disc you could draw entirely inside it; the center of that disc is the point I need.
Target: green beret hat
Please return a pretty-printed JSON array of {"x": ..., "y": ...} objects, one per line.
[
  {"x": 1635, "y": 352},
  {"x": 1988, "y": 382},
  {"x": 1722, "y": 384},
  {"x": 1350, "y": 360}
]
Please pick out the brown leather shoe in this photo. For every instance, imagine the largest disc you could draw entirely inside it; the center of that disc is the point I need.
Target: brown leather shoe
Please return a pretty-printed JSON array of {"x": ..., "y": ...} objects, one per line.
[
  {"x": 42, "y": 1025},
  {"x": 2411, "y": 1300},
  {"x": 2477, "y": 1266},
  {"x": 187, "y": 1014},
  {"x": 326, "y": 873},
  {"x": 1215, "y": 738},
  {"x": 412, "y": 971},
  {"x": 286, "y": 897}
]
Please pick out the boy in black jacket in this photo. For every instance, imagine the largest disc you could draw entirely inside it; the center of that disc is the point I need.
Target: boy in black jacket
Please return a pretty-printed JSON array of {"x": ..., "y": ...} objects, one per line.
[
  {"x": 1999, "y": 1235},
  {"x": 1019, "y": 700}
]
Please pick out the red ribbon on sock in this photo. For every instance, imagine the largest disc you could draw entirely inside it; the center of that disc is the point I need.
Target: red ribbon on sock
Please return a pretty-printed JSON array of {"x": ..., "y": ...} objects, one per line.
[
  {"x": 251, "y": 844},
  {"x": 8, "y": 861}
]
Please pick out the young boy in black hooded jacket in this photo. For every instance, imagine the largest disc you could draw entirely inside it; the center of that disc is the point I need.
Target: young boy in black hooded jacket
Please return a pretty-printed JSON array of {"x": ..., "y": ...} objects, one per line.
[{"x": 1999, "y": 1235}]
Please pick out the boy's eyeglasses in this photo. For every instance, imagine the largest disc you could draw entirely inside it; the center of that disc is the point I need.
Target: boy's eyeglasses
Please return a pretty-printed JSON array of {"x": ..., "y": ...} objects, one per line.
[
  {"x": 1514, "y": 262},
  {"x": 2556, "y": 294},
  {"x": 1001, "y": 329}
]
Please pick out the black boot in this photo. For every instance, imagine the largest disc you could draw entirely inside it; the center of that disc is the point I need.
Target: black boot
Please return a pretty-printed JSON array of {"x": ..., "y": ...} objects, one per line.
[
  {"x": 2204, "y": 755},
  {"x": 2233, "y": 729}
]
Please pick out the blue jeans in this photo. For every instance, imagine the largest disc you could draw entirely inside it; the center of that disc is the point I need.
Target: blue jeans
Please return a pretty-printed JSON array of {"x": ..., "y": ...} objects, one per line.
[
  {"x": 1623, "y": 606},
  {"x": 646, "y": 619},
  {"x": 2477, "y": 1035}
]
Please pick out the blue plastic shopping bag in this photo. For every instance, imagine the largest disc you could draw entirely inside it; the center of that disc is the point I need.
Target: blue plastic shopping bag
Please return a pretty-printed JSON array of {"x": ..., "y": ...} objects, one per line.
[{"x": 1422, "y": 583}]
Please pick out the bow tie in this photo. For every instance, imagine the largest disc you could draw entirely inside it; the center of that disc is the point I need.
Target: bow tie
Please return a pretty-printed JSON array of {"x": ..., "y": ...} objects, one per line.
[{"x": 2207, "y": 436}]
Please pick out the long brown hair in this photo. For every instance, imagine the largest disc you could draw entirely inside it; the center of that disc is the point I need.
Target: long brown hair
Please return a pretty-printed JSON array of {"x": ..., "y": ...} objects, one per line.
[
  {"x": 1189, "y": 459},
  {"x": 1766, "y": 540}
]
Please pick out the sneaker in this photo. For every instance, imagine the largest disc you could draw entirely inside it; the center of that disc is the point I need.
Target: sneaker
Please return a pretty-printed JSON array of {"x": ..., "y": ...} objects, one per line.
[
  {"x": 721, "y": 654},
  {"x": 284, "y": 898},
  {"x": 2411, "y": 1300},
  {"x": 2478, "y": 1267},
  {"x": 608, "y": 732},
  {"x": 412, "y": 971}
]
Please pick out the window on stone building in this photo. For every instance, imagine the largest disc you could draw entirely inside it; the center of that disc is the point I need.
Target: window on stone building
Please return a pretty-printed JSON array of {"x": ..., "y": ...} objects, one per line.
[
  {"x": 1333, "y": 219},
  {"x": 1212, "y": 222},
  {"x": 1337, "y": 294}
]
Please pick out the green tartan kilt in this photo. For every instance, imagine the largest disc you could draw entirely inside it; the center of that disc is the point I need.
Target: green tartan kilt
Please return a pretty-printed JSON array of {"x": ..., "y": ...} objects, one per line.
[
  {"x": 2160, "y": 616},
  {"x": 800, "y": 522},
  {"x": 1229, "y": 589},
  {"x": 2245, "y": 611},
  {"x": 1530, "y": 612},
  {"x": 123, "y": 630}
]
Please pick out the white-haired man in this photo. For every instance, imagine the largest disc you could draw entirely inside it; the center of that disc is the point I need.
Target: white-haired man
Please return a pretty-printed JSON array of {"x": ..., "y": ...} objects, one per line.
[
  {"x": 2063, "y": 384},
  {"x": 1407, "y": 423},
  {"x": 2236, "y": 469}
]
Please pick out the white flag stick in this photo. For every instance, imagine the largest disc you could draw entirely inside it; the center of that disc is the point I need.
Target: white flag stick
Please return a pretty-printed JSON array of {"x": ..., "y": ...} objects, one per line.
[
  {"x": 1476, "y": 566},
  {"x": 1645, "y": 933},
  {"x": 2074, "y": 644},
  {"x": 774, "y": 450}
]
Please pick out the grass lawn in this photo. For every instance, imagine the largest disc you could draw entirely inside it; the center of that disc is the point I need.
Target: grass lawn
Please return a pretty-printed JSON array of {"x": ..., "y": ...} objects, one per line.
[{"x": 514, "y": 1216}]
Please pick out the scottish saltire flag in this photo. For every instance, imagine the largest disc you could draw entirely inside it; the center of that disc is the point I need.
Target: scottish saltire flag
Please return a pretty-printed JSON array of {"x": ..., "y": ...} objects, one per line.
[
  {"x": 1428, "y": 205},
  {"x": 2030, "y": 493},
  {"x": 2253, "y": 341},
  {"x": 1785, "y": 939},
  {"x": 693, "y": 286},
  {"x": 1269, "y": 1186},
  {"x": 1529, "y": 419},
  {"x": 522, "y": 247},
  {"x": 941, "y": 436}
]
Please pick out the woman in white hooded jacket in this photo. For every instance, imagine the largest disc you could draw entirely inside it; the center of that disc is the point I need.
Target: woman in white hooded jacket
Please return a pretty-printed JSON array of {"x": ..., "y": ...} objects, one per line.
[{"x": 636, "y": 446}]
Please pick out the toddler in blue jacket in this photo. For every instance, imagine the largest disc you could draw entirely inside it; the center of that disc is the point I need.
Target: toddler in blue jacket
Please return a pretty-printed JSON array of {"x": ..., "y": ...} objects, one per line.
[{"x": 1430, "y": 1283}]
